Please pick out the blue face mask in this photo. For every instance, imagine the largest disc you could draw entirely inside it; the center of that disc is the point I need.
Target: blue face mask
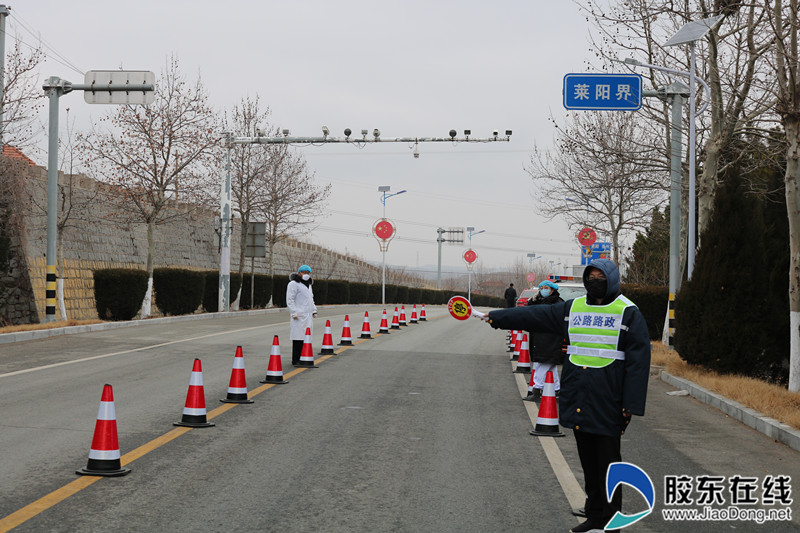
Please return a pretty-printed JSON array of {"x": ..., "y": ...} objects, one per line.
[{"x": 545, "y": 292}]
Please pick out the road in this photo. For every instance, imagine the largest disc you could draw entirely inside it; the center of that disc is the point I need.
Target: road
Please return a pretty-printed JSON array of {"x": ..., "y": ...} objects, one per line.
[{"x": 419, "y": 430}]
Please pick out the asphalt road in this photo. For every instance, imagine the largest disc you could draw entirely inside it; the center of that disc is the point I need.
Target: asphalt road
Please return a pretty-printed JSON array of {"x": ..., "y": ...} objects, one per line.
[{"x": 419, "y": 430}]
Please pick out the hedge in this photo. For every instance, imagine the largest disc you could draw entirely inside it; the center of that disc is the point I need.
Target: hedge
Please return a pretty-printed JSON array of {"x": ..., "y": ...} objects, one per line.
[
  {"x": 178, "y": 291},
  {"x": 118, "y": 292},
  {"x": 211, "y": 290},
  {"x": 652, "y": 301},
  {"x": 261, "y": 293}
]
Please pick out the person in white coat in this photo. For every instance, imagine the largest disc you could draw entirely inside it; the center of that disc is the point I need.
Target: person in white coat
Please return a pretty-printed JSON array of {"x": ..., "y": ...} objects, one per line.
[{"x": 300, "y": 301}]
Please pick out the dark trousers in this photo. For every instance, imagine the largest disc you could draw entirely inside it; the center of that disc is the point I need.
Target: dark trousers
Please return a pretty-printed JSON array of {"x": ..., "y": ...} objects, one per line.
[
  {"x": 596, "y": 453},
  {"x": 297, "y": 349}
]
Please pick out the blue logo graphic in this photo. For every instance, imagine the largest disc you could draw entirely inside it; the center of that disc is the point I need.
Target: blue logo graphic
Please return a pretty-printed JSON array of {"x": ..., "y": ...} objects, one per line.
[{"x": 633, "y": 476}]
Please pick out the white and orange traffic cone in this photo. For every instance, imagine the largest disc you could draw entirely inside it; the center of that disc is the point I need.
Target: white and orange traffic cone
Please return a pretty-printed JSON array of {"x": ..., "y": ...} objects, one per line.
[
  {"x": 365, "y": 331},
  {"x": 347, "y": 339},
  {"x": 327, "y": 340},
  {"x": 547, "y": 421},
  {"x": 413, "y": 319},
  {"x": 517, "y": 345},
  {"x": 307, "y": 354},
  {"x": 422, "y": 317},
  {"x": 104, "y": 456},
  {"x": 384, "y": 327},
  {"x": 531, "y": 397},
  {"x": 403, "y": 316},
  {"x": 237, "y": 388},
  {"x": 194, "y": 411},
  {"x": 512, "y": 336},
  {"x": 524, "y": 360},
  {"x": 395, "y": 320},
  {"x": 275, "y": 368}
]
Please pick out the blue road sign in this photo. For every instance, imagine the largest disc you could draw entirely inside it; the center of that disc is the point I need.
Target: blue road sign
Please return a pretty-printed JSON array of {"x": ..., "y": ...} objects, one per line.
[
  {"x": 600, "y": 250},
  {"x": 603, "y": 92}
]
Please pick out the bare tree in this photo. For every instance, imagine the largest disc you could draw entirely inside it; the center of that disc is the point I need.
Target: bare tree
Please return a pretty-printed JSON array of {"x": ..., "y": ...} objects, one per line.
[
  {"x": 786, "y": 30},
  {"x": 603, "y": 172},
  {"x": 291, "y": 201},
  {"x": 22, "y": 97},
  {"x": 152, "y": 154}
]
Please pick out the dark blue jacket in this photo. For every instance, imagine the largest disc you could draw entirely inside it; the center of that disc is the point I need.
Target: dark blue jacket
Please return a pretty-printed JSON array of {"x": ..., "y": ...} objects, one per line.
[{"x": 592, "y": 399}]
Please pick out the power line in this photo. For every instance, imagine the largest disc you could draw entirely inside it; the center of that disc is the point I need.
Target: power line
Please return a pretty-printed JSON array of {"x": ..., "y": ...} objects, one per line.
[{"x": 56, "y": 56}]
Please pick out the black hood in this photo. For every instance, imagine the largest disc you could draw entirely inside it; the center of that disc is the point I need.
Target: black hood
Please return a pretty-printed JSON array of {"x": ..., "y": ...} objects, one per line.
[{"x": 609, "y": 268}]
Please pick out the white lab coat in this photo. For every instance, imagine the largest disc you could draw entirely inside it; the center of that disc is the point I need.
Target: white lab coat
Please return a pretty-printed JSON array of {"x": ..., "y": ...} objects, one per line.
[{"x": 300, "y": 301}]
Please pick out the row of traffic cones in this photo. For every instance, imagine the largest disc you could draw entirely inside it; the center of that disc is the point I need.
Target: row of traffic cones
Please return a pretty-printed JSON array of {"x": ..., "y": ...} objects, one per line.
[{"x": 104, "y": 453}]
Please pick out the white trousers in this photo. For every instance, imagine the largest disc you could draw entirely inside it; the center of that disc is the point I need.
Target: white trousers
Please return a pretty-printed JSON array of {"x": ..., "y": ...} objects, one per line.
[{"x": 540, "y": 373}]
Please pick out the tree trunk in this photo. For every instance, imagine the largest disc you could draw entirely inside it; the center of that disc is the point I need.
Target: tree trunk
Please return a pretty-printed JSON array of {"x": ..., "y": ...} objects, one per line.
[
  {"x": 792, "y": 181},
  {"x": 151, "y": 250}
]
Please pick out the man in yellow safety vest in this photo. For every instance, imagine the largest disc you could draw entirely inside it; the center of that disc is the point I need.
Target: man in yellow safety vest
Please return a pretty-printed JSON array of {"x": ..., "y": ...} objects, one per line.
[{"x": 604, "y": 378}]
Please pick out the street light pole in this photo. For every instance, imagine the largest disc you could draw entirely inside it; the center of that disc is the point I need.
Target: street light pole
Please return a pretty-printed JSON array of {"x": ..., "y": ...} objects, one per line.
[
  {"x": 384, "y": 189},
  {"x": 471, "y": 231}
]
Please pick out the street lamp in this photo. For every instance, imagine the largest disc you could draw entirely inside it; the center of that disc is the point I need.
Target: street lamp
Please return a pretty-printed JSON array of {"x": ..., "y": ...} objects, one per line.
[
  {"x": 471, "y": 231},
  {"x": 384, "y": 189},
  {"x": 688, "y": 34}
]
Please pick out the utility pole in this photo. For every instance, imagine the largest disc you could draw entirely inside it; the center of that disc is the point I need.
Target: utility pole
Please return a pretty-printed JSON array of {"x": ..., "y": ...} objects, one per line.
[
  {"x": 4, "y": 11},
  {"x": 458, "y": 239}
]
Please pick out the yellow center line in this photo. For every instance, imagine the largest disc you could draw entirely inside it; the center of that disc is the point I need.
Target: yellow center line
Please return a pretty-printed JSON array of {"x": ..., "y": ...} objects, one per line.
[{"x": 45, "y": 502}]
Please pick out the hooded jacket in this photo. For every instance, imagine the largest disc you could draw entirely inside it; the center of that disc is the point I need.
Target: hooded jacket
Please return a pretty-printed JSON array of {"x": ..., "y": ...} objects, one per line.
[
  {"x": 546, "y": 347},
  {"x": 592, "y": 400},
  {"x": 300, "y": 301}
]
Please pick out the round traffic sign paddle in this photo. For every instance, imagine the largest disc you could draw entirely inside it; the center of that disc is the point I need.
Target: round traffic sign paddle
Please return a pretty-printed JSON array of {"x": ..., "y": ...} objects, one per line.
[{"x": 460, "y": 308}]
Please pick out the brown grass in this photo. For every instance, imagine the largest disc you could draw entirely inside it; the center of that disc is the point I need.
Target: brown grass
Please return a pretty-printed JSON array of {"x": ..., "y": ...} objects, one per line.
[
  {"x": 49, "y": 325},
  {"x": 768, "y": 399}
]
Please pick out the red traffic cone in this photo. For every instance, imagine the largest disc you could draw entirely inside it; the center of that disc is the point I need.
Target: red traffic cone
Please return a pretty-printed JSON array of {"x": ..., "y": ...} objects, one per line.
[
  {"x": 365, "y": 332},
  {"x": 517, "y": 345},
  {"x": 403, "y": 316},
  {"x": 524, "y": 361},
  {"x": 347, "y": 340},
  {"x": 274, "y": 369},
  {"x": 307, "y": 354},
  {"x": 395, "y": 320},
  {"x": 104, "y": 456},
  {"x": 237, "y": 388},
  {"x": 413, "y": 319},
  {"x": 422, "y": 317},
  {"x": 327, "y": 339},
  {"x": 384, "y": 327},
  {"x": 194, "y": 411},
  {"x": 547, "y": 421},
  {"x": 531, "y": 397},
  {"x": 512, "y": 336}
]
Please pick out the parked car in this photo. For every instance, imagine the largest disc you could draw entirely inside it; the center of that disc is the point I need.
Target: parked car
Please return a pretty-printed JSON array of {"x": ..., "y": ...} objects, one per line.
[
  {"x": 567, "y": 291},
  {"x": 526, "y": 295}
]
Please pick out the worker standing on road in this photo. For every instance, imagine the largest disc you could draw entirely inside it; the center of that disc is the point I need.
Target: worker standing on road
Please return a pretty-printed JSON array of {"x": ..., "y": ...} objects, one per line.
[
  {"x": 546, "y": 348},
  {"x": 510, "y": 296},
  {"x": 300, "y": 301},
  {"x": 604, "y": 379}
]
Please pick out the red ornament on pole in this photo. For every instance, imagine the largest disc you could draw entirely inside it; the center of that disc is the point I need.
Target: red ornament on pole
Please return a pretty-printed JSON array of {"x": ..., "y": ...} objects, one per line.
[
  {"x": 587, "y": 236},
  {"x": 384, "y": 231}
]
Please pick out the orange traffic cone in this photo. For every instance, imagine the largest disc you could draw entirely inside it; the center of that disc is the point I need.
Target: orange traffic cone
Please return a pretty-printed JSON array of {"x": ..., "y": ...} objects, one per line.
[
  {"x": 403, "y": 316},
  {"x": 422, "y": 317},
  {"x": 307, "y": 354},
  {"x": 547, "y": 421},
  {"x": 524, "y": 361},
  {"x": 104, "y": 456},
  {"x": 384, "y": 327},
  {"x": 413, "y": 319},
  {"x": 365, "y": 332},
  {"x": 237, "y": 389},
  {"x": 327, "y": 339},
  {"x": 395, "y": 320},
  {"x": 517, "y": 345},
  {"x": 194, "y": 411},
  {"x": 347, "y": 340},
  {"x": 275, "y": 369},
  {"x": 531, "y": 397}
]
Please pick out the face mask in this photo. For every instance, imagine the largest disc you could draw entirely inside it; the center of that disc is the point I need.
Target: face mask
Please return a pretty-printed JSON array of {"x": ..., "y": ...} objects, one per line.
[
  {"x": 305, "y": 277},
  {"x": 596, "y": 288},
  {"x": 545, "y": 292}
]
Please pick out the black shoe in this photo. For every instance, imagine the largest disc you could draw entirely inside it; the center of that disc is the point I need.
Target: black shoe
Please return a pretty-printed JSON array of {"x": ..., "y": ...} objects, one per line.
[
  {"x": 295, "y": 364},
  {"x": 587, "y": 527},
  {"x": 580, "y": 511},
  {"x": 537, "y": 395}
]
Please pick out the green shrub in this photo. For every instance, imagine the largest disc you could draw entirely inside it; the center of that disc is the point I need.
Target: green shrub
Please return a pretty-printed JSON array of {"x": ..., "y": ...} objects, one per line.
[
  {"x": 359, "y": 293},
  {"x": 374, "y": 294},
  {"x": 211, "y": 290},
  {"x": 401, "y": 295},
  {"x": 320, "y": 289},
  {"x": 652, "y": 301},
  {"x": 262, "y": 290},
  {"x": 178, "y": 291},
  {"x": 279, "y": 283},
  {"x": 118, "y": 292},
  {"x": 338, "y": 292}
]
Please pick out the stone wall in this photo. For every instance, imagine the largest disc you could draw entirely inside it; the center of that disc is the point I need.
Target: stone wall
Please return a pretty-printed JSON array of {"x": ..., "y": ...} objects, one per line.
[{"x": 91, "y": 240}]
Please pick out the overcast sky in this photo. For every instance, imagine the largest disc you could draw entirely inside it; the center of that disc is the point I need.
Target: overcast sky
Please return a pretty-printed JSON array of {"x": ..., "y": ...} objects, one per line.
[{"x": 411, "y": 68}]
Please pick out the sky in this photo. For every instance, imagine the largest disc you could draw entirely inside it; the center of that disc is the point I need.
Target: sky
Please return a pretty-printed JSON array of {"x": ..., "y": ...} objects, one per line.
[{"x": 410, "y": 69}]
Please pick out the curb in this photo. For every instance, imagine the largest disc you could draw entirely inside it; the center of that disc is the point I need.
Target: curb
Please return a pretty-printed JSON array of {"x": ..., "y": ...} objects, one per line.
[
  {"x": 763, "y": 424},
  {"x": 73, "y": 330}
]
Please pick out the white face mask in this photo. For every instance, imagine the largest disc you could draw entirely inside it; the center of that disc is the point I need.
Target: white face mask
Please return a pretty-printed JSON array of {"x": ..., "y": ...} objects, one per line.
[{"x": 305, "y": 277}]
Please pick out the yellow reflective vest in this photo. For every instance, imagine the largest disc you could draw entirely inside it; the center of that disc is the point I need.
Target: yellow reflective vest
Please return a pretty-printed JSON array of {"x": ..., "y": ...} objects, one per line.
[{"x": 594, "y": 332}]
